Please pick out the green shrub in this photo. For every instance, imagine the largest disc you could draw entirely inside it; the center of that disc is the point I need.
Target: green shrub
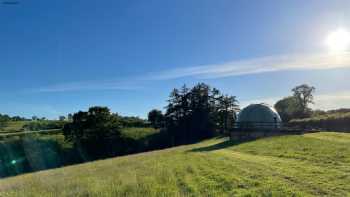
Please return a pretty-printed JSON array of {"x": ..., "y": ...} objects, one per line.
[{"x": 44, "y": 125}]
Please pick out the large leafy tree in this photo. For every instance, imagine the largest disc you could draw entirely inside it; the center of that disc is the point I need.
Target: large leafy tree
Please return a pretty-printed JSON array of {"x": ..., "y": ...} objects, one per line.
[
  {"x": 96, "y": 131},
  {"x": 288, "y": 108},
  {"x": 297, "y": 105},
  {"x": 304, "y": 96}
]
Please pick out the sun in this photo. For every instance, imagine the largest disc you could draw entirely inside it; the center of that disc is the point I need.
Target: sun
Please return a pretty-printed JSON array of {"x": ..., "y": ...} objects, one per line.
[{"x": 338, "y": 40}]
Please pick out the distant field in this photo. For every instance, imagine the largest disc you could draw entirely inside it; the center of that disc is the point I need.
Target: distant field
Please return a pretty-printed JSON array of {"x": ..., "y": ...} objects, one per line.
[
  {"x": 315, "y": 164},
  {"x": 138, "y": 133},
  {"x": 4, "y": 135},
  {"x": 21, "y": 126},
  {"x": 13, "y": 126},
  {"x": 131, "y": 132},
  {"x": 333, "y": 121}
]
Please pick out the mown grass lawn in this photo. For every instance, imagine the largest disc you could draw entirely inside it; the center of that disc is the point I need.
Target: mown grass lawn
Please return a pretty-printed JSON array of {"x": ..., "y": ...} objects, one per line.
[{"x": 315, "y": 164}]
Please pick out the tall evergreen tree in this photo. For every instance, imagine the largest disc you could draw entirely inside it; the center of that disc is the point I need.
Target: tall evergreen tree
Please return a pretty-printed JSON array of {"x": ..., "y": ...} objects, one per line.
[{"x": 193, "y": 114}]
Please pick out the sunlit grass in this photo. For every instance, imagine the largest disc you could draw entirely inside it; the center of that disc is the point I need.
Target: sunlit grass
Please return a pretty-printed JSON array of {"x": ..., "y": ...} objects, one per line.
[
  {"x": 13, "y": 126},
  {"x": 138, "y": 132},
  {"x": 308, "y": 165}
]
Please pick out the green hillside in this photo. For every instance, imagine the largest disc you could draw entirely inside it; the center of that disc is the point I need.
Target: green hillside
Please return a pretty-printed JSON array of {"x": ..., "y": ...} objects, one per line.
[{"x": 315, "y": 164}]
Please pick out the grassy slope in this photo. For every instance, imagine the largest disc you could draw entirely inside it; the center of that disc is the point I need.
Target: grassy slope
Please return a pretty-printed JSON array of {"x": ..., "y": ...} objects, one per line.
[{"x": 312, "y": 164}]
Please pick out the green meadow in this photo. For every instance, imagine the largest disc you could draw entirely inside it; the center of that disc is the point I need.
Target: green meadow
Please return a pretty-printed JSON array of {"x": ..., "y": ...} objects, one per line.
[{"x": 316, "y": 164}]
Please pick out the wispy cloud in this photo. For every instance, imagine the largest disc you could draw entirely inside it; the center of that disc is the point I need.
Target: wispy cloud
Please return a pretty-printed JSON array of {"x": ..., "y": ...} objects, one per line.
[
  {"x": 88, "y": 85},
  {"x": 260, "y": 65},
  {"x": 232, "y": 68}
]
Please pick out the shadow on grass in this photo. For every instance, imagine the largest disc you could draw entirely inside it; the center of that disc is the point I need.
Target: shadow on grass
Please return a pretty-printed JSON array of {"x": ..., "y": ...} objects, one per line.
[
  {"x": 34, "y": 152},
  {"x": 221, "y": 145}
]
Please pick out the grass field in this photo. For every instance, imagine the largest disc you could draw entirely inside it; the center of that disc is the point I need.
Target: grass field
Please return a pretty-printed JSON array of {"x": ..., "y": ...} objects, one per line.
[
  {"x": 13, "y": 126},
  {"x": 315, "y": 164},
  {"x": 138, "y": 133}
]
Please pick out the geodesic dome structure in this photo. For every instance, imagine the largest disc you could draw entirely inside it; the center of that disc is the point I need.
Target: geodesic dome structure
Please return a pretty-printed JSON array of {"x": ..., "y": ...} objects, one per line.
[{"x": 259, "y": 116}]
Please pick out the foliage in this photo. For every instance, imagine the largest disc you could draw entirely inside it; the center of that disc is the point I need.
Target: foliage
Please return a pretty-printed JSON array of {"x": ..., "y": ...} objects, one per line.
[
  {"x": 156, "y": 118},
  {"x": 306, "y": 165},
  {"x": 196, "y": 113},
  {"x": 29, "y": 153},
  {"x": 3, "y": 124},
  {"x": 61, "y": 118},
  {"x": 318, "y": 112},
  {"x": 288, "y": 108},
  {"x": 17, "y": 148},
  {"x": 227, "y": 112},
  {"x": 70, "y": 117},
  {"x": 37, "y": 125},
  {"x": 12, "y": 126},
  {"x": 137, "y": 133},
  {"x": 297, "y": 105},
  {"x": 304, "y": 96},
  {"x": 131, "y": 121},
  {"x": 6, "y": 118},
  {"x": 97, "y": 132},
  {"x": 338, "y": 121},
  {"x": 341, "y": 110}
]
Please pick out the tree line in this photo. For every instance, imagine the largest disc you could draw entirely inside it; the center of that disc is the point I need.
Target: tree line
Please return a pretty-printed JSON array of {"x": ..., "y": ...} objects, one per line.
[
  {"x": 191, "y": 114},
  {"x": 195, "y": 113},
  {"x": 6, "y": 118}
]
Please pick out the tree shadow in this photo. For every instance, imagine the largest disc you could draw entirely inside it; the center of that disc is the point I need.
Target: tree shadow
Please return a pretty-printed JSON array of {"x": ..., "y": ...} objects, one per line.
[
  {"x": 32, "y": 152},
  {"x": 220, "y": 145}
]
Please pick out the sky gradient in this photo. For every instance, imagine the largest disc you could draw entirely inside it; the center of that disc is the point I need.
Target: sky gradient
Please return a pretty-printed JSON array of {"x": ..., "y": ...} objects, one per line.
[{"x": 58, "y": 57}]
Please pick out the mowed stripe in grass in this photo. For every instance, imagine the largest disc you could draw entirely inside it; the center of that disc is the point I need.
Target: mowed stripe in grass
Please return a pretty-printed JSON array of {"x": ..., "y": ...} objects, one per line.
[{"x": 306, "y": 165}]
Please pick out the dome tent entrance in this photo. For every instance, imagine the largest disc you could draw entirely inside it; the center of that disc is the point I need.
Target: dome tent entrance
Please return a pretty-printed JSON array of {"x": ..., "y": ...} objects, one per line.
[{"x": 259, "y": 116}]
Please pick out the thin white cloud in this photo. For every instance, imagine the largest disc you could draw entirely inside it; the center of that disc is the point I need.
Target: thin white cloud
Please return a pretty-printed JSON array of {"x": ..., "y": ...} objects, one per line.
[
  {"x": 233, "y": 68},
  {"x": 88, "y": 85},
  {"x": 260, "y": 65}
]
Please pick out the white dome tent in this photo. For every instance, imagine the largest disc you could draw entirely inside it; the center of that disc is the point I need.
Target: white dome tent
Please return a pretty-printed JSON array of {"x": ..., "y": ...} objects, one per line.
[{"x": 260, "y": 116}]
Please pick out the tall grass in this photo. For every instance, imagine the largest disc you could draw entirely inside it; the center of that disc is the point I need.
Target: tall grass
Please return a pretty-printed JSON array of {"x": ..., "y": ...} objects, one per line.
[{"x": 316, "y": 164}]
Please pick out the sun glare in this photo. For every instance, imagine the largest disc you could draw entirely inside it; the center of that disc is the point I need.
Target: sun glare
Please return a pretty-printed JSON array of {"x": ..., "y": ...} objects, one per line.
[{"x": 338, "y": 41}]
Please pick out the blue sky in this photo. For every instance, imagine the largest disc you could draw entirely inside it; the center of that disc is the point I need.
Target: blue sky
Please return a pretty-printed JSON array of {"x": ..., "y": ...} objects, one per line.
[{"x": 62, "y": 56}]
